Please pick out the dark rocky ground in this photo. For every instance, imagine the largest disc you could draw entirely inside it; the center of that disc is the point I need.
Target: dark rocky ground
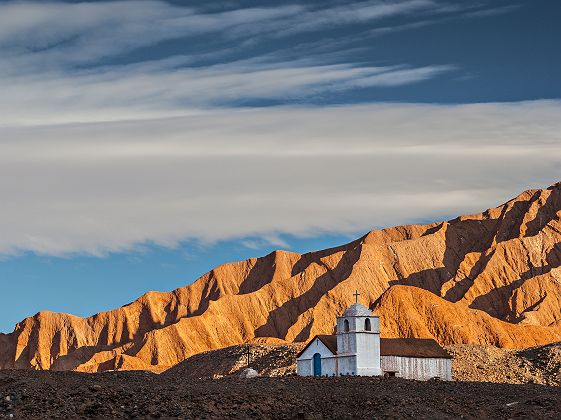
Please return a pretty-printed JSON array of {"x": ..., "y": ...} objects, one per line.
[{"x": 28, "y": 394}]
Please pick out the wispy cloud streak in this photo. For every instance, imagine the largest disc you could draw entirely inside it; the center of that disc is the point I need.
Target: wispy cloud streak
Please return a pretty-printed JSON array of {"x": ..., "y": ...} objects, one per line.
[
  {"x": 64, "y": 33},
  {"x": 59, "y": 63},
  {"x": 156, "y": 89}
]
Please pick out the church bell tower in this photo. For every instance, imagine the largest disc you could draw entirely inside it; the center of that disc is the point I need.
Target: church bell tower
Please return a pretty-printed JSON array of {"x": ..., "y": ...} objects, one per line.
[{"x": 358, "y": 341}]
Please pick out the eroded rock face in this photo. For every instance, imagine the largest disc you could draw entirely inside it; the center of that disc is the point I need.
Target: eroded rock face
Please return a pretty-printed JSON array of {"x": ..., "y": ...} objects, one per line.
[{"x": 492, "y": 278}]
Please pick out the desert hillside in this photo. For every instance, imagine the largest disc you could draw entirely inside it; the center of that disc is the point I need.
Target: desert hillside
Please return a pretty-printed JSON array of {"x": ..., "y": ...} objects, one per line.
[
  {"x": 492, "y": 278},
  {"x": 271, "y": 360}
]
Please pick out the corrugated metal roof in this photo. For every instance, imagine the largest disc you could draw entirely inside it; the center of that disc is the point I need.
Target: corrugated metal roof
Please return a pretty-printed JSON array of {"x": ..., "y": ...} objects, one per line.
[
  {"x": 412, "y": 347},
  {"x": 403, "y": 347}
]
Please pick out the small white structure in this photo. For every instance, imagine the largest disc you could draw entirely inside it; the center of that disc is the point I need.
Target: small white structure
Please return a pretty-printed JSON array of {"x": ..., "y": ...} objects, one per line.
[
  {"x": 248, "y": 373},
  {"x": 356, "y": 349}
]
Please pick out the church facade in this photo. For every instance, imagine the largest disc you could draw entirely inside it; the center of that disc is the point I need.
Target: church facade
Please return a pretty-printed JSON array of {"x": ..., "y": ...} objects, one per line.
[{"x": 357, "y": 349}]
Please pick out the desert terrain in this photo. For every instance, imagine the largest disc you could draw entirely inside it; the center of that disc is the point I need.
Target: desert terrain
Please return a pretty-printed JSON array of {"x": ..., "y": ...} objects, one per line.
[{"x": 48, "y": 394}]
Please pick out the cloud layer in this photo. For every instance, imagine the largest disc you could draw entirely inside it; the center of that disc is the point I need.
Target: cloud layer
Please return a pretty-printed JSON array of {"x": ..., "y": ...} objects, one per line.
[
  {"x": 123, "y": 125},
  {"x": 103, "y": 187}
]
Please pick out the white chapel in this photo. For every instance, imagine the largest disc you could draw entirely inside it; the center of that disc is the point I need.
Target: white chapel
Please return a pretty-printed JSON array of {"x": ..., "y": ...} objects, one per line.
[{"x": 357, "y": 349}]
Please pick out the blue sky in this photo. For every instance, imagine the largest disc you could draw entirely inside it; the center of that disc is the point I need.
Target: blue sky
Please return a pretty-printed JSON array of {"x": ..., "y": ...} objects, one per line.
[{"x": 144, "y": 142}]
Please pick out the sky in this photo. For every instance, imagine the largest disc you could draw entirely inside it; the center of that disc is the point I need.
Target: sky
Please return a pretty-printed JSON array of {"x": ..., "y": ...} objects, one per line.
[{"x": 143, "y": 143}]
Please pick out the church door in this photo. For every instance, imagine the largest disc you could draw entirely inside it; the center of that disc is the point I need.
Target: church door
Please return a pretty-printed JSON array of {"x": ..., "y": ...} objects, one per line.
[{"x": 317, "y": 364}]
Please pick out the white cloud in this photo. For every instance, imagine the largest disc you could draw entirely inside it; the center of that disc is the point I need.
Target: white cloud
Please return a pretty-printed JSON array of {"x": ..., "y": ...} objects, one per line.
[{"x": 103, "y": 187}]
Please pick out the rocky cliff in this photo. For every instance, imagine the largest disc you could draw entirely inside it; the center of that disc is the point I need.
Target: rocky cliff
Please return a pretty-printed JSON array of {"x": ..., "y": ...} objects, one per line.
[{"x": 492, "y": 278}]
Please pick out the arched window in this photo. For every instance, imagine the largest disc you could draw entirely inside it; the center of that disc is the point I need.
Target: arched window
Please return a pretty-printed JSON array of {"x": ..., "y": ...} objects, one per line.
[
  {"x": 346, "y": 325},
  {"x": 367, "y": 326}
]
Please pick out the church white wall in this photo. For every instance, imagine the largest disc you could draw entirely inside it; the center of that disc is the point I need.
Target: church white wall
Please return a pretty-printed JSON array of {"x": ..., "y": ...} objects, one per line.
[
  {"x": 329, "y": 366},
  {"x": 304, "y": 363},
  {"x": 347, "y": 365},
  {"x": 304, "y": 367},
  {"x": 419, "y": 368},
  {"x": 368, "y": 354},
  {"x": 346, "y": 343}
]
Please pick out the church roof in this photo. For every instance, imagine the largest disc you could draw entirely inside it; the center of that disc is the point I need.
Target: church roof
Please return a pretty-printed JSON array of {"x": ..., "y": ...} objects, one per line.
[
  {"x": 403, "y": 347},
  {"x": 356, "y": 309},
  {"x": 330, "y": 342},
  {"x": 412, "y": 347}
]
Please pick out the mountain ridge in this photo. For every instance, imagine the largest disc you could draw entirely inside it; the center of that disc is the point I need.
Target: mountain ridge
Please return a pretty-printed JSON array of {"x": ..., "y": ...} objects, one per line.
[{"x": 499, "y": 269}]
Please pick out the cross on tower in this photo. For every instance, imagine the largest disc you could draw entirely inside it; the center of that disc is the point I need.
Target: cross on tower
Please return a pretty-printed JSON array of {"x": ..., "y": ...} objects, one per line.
[{"x": 356, "y": 295}]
